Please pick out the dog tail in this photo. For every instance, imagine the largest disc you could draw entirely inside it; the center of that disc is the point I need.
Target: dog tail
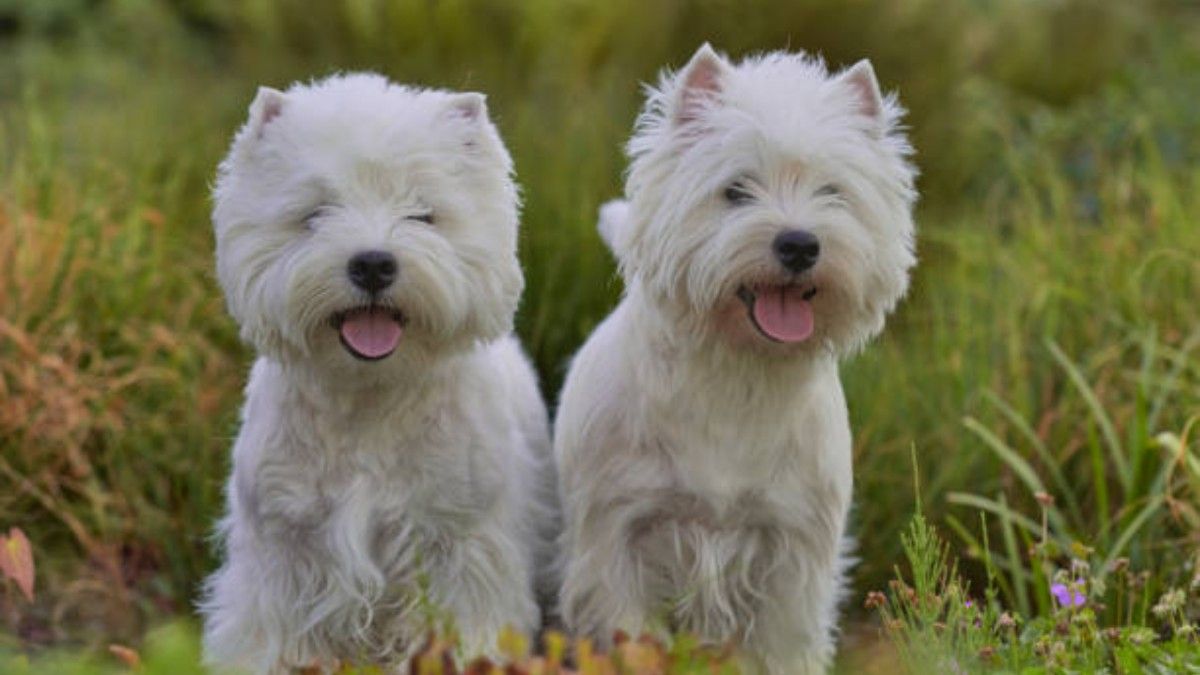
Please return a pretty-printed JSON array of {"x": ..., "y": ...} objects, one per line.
[{"x": 613, "y": 215}]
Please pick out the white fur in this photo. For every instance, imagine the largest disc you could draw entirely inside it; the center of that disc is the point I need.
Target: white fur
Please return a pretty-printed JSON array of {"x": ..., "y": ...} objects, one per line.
[
  {"x": 705, "y": 472},
  {"x": 369, "y": 498}
]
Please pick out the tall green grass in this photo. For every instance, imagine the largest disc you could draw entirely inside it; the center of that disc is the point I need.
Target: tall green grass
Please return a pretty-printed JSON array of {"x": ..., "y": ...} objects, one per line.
[
  {"x": 938, "y": 623},
  {"x": 1051, "y": 337},
  {"x": 1049, "y": 343},
  {"x": 117, "y": 377}
]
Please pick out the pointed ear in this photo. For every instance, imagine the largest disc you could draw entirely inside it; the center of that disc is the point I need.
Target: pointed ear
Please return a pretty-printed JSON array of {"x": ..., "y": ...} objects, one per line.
[
  {"x": 469, "y": 106},
  {"x": 267, "y": 105},
  {"x": 860, "y": 78},
  {"x": 700, "y": 84}
]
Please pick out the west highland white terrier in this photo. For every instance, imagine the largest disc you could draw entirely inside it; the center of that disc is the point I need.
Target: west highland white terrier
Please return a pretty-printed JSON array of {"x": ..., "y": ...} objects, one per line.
[
  {"x": 702, "y": 437},
  {"x": 394, "y": 446}
]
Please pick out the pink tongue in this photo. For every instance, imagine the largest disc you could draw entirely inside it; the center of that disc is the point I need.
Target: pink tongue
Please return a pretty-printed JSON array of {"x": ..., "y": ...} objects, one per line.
[
  {"x": 371, "y": 333},
  {"x": 783, "y": 313}
]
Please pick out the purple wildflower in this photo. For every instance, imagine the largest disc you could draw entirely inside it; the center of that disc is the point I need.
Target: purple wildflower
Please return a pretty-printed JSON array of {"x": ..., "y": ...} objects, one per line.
[{"x": 1069, "y": 596}]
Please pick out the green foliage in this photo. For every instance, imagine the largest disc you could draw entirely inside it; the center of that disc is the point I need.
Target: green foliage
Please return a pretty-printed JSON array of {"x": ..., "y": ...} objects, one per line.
[
  {"x": 1143, "y": 468},
  {"x": 1049, "y": 344},
  {"x": 171, "y": 649},
  {"x": 937, "y": 626},
  {"x": 1055, "y": 316}
]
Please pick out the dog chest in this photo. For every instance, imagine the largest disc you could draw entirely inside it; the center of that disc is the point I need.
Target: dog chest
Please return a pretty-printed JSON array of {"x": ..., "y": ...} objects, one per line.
[
  {"x": 712, "y": 568},
  {"x": 368, "y": 520}
]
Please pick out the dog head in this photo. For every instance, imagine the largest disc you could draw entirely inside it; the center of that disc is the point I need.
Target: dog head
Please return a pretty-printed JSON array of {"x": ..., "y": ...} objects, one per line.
[
  {"x": 356, "y": 218},
  {"x": 770, "y": 202}
]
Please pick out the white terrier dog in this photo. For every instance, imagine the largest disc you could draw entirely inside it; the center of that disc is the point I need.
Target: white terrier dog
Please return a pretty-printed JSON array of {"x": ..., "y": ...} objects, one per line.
[
  {"x": 394, "y": 444},
  {"x": 702, "y": 438}
]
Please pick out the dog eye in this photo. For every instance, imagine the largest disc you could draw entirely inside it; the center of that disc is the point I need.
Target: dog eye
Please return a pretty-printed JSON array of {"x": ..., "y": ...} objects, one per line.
[
  {"x": 829, "y": 190},
  {"x": 737, "y": 194},
  {"x": 426, "y": 218},
  {"x": 310, "y": 219}
]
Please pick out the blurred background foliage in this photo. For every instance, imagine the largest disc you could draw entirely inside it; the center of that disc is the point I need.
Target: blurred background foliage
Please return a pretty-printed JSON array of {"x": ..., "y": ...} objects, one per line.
[{"x": 1055, "y": 306}]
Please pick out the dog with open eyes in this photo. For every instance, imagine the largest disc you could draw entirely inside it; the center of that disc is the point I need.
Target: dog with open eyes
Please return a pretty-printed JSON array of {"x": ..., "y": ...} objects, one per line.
[
  {"x": 392, "y": 466},
  {"x": 702, "y": 437}
]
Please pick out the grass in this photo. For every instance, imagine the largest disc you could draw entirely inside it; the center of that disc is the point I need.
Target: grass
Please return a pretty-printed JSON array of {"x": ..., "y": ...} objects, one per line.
[
  {"x": 935, "y": 621},
  {"x": 1094, "y": 613},
  {"x": 1045, "y": 368}
]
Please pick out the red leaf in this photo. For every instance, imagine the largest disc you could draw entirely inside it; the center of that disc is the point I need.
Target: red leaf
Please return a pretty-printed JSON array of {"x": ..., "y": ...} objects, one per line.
[{"x": 16, "y": 560}]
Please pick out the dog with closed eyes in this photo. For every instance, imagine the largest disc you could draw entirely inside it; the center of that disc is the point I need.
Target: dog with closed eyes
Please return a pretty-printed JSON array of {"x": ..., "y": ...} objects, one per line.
[
  {"x": 392, "y": 462},
  {"x": 702, "y": 438}
]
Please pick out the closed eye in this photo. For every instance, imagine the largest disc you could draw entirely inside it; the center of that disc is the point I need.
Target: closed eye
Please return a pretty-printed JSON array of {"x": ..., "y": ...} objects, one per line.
[
  {"x": 829, "y": 190},
  {"x": 426, "y": 218},
  {"x": 737, "y": 193},
  {"x": 310, "y": 220}
]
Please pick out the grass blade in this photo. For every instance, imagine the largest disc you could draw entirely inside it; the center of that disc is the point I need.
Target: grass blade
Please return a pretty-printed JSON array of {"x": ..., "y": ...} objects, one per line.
[
  {"x": 1131, "y": 530},
  {"x": 1051, "y": 463},
  {"x": 997, "y": 508},
  {"x": 1019, "y": 466},
  {"x": 1103, "y": 421}
]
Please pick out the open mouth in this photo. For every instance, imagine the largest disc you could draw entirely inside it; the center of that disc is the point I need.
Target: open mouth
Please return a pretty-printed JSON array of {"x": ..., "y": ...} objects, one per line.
[
  {"x": 781, "y": 313},
  {"x": 369, "y": 333}
]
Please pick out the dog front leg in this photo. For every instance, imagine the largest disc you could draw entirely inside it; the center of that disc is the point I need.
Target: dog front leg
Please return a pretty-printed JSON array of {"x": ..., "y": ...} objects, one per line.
[
  {"x": 487, "y": 586},
  {"x": 602, "y": 592}
]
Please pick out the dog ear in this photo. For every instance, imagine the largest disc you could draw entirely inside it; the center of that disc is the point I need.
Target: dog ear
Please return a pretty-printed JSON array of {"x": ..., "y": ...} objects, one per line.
[
  {"x": 860, "y": 78},
  {"x": 700, "y": 84},
  {"x": 267, "y": 105},
  {"x": 469, "y": 109},
  {"x": 470, "y": 106}
]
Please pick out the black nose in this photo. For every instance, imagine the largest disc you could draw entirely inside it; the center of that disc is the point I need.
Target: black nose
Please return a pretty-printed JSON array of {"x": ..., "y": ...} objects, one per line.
[
  {"x": 372, "y": 271},
  {"x": 797, "y": 250}
]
